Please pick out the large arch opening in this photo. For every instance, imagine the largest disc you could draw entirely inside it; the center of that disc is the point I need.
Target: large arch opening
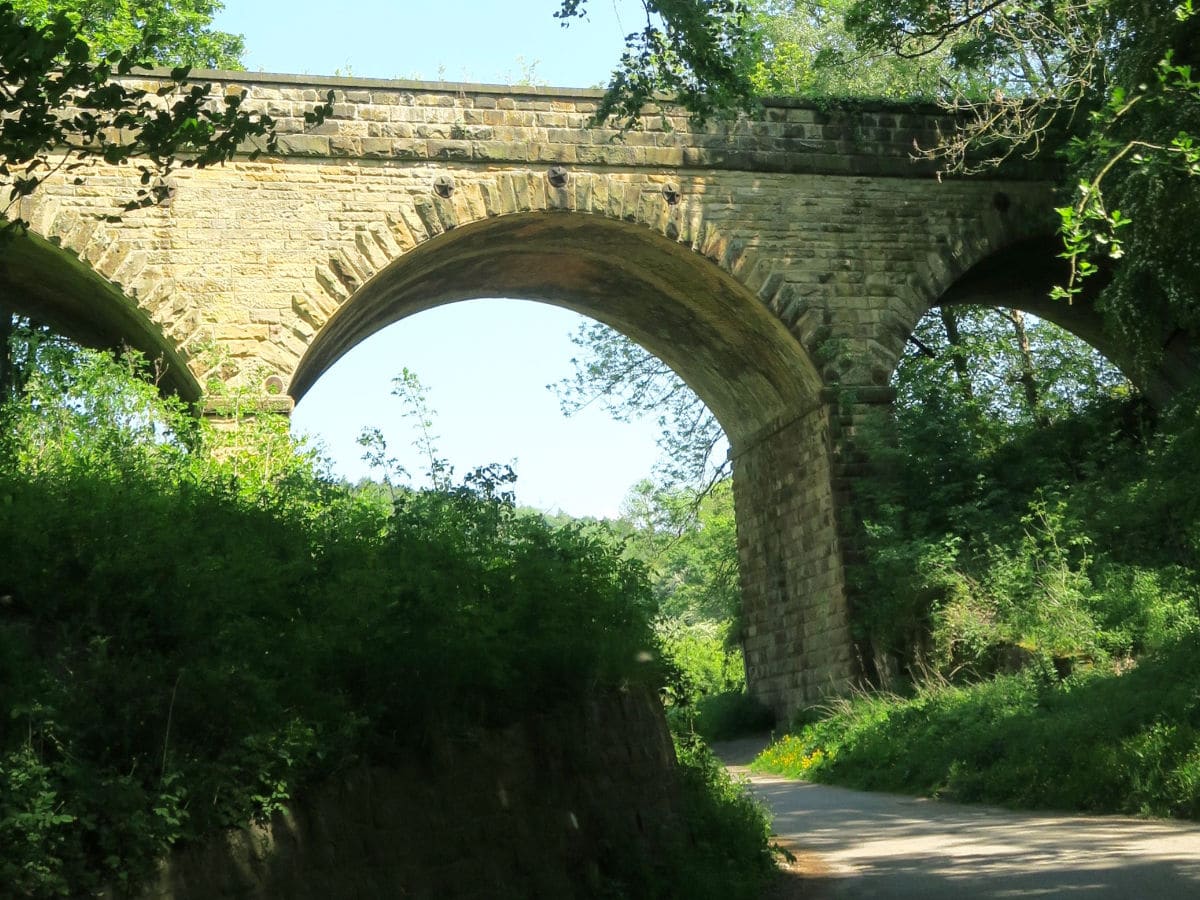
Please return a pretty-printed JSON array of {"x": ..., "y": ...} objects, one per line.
[
  {"x": 54, "y": 287},
  {"x": 582, "y": 465},
  {"x": 726, "y": 345},
  {"x": 720, "y": 339}
]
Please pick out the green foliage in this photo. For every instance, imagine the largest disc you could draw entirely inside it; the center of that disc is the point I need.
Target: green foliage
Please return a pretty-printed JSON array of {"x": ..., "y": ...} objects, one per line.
[
  {"x": 1033, "y": 564},
  {"x": 689, "y": 542},
  {"x": 999, "y": 528},
  {"x": 808, "y": 52},
  {"x": 728, "y": 828},
  {"x": 177, "y": 32},
  {"x": 698, "y": 656},
  {"x": 700, "y": 53},
  {"x": 25, "y": 348},
  {"x": 972, "y": 359},
  {"x": 689, "y": 538},
  {"x": 721, "y": 848},
  {"x": 33, "y": 829},
  {"x": 705, "y": 691},
  {"x": 1098, "y": 741},
  {"x": 188, "y": 640},
  {"x": 415, "y": 397}
]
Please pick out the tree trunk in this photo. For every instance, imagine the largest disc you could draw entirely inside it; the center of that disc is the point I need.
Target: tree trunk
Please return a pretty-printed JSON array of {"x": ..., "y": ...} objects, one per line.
[
  {"x": 961, "y": 373},
  {"x": 8, "y": 379},
  {"x": 1028, "y": 379}
]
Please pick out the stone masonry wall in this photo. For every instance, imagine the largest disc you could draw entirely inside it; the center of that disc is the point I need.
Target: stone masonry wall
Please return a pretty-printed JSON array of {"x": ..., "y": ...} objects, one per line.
[
  {"x": 795, "y": 607},
  {"x": 822, "y": 215},
  {"x": 540, "y": 810}
]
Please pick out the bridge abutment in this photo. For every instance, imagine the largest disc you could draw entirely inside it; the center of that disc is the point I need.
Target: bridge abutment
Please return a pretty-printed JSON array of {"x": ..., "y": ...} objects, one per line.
[
  {"x": 795, "y": 605},
  {"x": 799, "y": 537}
]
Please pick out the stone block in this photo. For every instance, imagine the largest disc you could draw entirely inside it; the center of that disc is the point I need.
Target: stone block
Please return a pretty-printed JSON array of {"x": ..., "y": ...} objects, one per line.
[{"x": 304, "y": 145}]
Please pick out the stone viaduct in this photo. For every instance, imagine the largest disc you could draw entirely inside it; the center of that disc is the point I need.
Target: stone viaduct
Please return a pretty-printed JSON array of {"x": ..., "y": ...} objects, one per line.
[{"x": 777, "y": 263}]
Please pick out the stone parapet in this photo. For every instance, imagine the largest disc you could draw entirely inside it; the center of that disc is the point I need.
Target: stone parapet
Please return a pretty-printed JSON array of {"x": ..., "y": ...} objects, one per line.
[{"x": 450, "y": 122}]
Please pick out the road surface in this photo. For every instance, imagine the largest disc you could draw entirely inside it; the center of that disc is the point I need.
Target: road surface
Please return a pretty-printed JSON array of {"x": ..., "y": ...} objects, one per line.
[{"x": 853, "y": 844}]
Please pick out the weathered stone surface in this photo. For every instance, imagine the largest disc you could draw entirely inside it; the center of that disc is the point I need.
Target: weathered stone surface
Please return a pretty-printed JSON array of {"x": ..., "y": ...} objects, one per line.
[{"x": 536, "y": 810}]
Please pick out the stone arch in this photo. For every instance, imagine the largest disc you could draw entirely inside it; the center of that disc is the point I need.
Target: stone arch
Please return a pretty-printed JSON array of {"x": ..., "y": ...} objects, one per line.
[
  {"x": 46, "y": 282},
  {"x": 678, "y": 208},
  {"x": 1011, "y": 220},
  {"x": 1021, "y": 275},
  {"x": 727, "y": 344},
  {"x": 669, "y": 296}
]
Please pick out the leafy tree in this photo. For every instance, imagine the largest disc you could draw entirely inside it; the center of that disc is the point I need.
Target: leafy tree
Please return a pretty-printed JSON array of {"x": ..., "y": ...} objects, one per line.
[
  {"x": 1003, "y": 367},
  {"x": 701, "y": 52},
  {"x": 807, "y": 51},
  {"x": 1008, "y": 368},
  {"x": 718, "y": 57},
  {"x": 26, "y": 347},
  {"x": 631, "y": 383},
  {"x": 1006, "y": 521},
  {"x": 48, "y": 68},
  {"x": 172, "y": 32},
  {"x": 690, "y": 543}
]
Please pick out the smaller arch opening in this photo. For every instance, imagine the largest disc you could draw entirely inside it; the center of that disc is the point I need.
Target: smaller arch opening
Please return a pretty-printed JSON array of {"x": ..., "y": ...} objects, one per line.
[
  {"x": 1008, "y": 363},
  {"x": 52, "y": 286},
  {"x": 991, "y": 525},
  {"x": 1022, "y": 275}
]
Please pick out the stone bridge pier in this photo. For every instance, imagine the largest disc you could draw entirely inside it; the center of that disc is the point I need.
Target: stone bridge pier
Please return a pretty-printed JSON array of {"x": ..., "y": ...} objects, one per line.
[{"x": 778, "y": 263}]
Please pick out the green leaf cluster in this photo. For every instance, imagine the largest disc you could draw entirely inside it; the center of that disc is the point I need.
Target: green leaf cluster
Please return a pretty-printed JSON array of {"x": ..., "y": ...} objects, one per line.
[
  {"x": 807, "y": 51},
  {"x": 997, "y": 532},
  {"x": 190, "y": 637},
  {"x": 173, "y": 32},
  {"x": 701, "y": 54}
]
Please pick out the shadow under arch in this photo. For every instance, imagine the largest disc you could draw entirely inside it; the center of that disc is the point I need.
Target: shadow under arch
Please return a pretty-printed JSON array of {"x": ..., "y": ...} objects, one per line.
[
  {"x": 681, "y": 306},
  {"x": 55, "y": 287},
  {"x": 1021, "y": 276}
]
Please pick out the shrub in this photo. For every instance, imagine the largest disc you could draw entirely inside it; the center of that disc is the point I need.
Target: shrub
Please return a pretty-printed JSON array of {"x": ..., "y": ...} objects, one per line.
[
  {"x": 187, "y": 640},
  {"x": 1100, "y": 740}
]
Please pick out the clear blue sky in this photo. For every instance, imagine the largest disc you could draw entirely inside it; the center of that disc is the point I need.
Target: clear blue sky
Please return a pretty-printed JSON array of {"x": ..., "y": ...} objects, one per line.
[{"x": 486, "y": 362}]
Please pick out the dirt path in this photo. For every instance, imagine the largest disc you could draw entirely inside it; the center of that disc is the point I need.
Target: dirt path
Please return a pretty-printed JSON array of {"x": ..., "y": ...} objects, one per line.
[{"x": 851, "y": 844}]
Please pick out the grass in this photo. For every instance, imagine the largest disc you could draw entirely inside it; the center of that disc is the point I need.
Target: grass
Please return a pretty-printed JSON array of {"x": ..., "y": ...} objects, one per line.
[{"x": 1117, "y": 742}]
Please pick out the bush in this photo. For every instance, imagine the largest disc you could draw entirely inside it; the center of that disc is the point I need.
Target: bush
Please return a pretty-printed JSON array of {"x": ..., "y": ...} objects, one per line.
[
  {"x": 729, "y": 831},
  {"x": 705, "y": 692},
  {"x": 1099, "y": 741},
  {"x": 187, "y": 639},
  {"x": 1074, "y": 540},
  {"x": 732, "y": 714}
]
